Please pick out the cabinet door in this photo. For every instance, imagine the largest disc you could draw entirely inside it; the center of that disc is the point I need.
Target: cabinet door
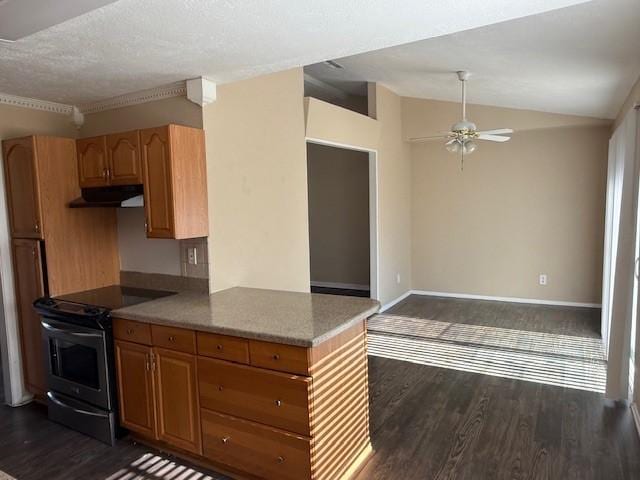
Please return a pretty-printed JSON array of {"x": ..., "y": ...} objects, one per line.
[
  {"x": 23, "y": 195},
  {"x": 156, "y": 167},
  {"x": 92, "y": 162},
  {"x": 29, "y": 284},
  {"x": 123, "y": 154},
  {"x": 136, "y": 392},
  {"x": 177, "y": 400}
]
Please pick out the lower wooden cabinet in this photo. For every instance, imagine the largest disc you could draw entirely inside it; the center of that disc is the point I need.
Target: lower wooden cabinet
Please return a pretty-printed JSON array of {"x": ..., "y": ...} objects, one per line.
[
  {"x": 262, "y": 451},
  {"x": 136, "y": 388},
  {"x": 177, "y": 399},
  {"x": 30, "y": 286},
  {"x": 158, "y": 396}
]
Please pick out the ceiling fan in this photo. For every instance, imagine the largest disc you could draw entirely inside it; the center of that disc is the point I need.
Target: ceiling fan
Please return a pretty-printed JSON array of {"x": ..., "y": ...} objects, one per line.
[{"x": 462, "y": 135}]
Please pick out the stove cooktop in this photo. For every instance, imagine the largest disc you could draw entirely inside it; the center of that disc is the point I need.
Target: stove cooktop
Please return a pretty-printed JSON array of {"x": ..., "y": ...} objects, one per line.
[{"x": 114, "y": 296}]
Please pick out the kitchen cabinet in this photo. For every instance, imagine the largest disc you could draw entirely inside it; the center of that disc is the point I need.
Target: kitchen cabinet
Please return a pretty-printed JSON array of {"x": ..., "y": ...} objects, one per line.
[
  {"x": 175, "y": 182},
  {"x": 41, "y": 175},
  {"x": 124, "y": 166},
  {"x": 23, "y": 196},
  {"x": 246, "y": 416},
  {"x": 177, "y": 399},
  {"x": 136, "y": 388},
  {"x": 92, "y": 162},
  {"x": 109, "y": 160},
  {"x": 29, "y": 285},
  {"x": 158, "y": 392}
]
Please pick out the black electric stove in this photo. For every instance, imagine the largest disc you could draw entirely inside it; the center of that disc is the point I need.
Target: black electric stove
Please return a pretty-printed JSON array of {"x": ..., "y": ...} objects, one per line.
[{"x": 78, "y": 343}]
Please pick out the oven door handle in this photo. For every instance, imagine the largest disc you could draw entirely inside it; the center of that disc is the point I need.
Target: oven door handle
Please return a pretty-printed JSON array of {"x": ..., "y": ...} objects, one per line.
[
  {"x": 66, "y": 331},
  {"x": 52, "y": 397}
]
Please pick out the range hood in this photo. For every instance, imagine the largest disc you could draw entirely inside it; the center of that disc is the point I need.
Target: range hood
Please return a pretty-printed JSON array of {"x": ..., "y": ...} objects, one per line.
[{"x": 125, "y": 196}]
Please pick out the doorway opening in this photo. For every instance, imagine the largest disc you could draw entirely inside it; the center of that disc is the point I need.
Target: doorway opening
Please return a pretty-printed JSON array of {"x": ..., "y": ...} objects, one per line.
[{"x": 342, "y": 188}]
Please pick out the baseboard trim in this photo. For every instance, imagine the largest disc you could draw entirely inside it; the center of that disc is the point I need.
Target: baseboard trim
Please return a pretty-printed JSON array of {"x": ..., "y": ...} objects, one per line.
[
  {"x": 636, "y": 417},
  {"x": 387, "y": 306},
  {"x": 345, "y": 286},
  {"x": 534, "y": 301}
]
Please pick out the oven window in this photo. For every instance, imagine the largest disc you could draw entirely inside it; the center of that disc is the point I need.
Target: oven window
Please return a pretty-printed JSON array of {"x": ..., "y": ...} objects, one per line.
[{"x": 77, "y": 363}]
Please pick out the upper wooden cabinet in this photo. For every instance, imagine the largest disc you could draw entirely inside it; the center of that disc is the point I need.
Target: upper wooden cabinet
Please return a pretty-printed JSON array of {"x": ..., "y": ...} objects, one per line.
[
  {"x": 123, "y": 157},
  {"x": 23, "y": 195},
  {"x": 109, "y": 160},
  {"x": 92, "y": 162},
  {"x": 175, "y": 183}
]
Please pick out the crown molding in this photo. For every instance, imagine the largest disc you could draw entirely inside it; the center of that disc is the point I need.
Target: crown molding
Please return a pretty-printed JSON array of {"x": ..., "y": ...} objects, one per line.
[
  {"x": 35, "y": 104},
  {"x": 177, "y": 89}
]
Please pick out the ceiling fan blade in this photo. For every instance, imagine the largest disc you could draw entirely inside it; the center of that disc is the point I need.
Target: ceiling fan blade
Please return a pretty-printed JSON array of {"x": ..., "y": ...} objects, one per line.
[
  {"x": 426, "y": 139},
  {"x": 493, "y": 138},
  {"x": 499, "y": 131}
]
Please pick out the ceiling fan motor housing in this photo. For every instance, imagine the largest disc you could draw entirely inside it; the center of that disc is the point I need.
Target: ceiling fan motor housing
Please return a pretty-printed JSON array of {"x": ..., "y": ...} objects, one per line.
[{"x": 464, "y": 126}]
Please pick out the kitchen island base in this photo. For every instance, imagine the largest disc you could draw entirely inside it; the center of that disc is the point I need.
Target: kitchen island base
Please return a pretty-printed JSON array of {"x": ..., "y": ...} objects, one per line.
[{"x": 248, "y": 408}]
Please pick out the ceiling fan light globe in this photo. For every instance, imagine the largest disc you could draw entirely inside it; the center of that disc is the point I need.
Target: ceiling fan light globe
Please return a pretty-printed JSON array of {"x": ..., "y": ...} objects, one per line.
[
  {"x": 469, "y": 147},
  {"x": 453, "y": 146}
]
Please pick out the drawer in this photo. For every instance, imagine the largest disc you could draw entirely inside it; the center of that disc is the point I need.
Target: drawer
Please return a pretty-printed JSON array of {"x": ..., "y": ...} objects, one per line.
[
  {"x": 173, "y": 338},
  {"x": 132, "y": 331},
  {"x": 255, "y": 449},
  {"x": 223, "y": 347},
  {"x": 272, "y": 398},
  {"x": 275, "y": 356}
]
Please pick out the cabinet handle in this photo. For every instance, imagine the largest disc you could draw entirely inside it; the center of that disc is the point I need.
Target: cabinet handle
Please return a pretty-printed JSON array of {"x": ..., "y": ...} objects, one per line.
[
  {"x": 280, "y": 459},
  {"x": 276, "y": 357},
  {"x": 105, "y": 173},
  {"x": 37, "y": 227},
  {"x": 278, "y": 403},
  {"x": 129, "y": 331},
  {"x": 172, "y": 339},
  {"x": 219, "y": 347},
  {"x": 225, "y": 440},
  {"x": 147, "y": 362},
  {"x": 153, "y": 362},
  {"x": 219, "y": 388}
]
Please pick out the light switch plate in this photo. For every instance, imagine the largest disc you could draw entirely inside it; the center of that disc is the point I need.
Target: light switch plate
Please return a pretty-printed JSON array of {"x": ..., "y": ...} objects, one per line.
[{"x": 192, "y": 255}]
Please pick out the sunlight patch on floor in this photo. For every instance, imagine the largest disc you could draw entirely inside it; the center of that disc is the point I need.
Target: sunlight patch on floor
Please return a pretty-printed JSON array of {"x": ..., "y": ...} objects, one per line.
[
  {"x": 152, "y": 466},
  {"x": 560, "y": 360}
]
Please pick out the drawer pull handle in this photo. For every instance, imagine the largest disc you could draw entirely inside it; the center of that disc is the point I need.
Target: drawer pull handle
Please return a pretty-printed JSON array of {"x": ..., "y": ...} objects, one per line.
[
  {"x": 219, "y": 347},
  {"x": 278, "y": 403},
  {"x": 129, "y": 331},
  {"x": 276, "y": 356},
  {"x": 172, "y": 339},
  {"x": 281, "y": 459},
  {"x": 219, "y": 388},
  {"x": 225, "y": 440}
]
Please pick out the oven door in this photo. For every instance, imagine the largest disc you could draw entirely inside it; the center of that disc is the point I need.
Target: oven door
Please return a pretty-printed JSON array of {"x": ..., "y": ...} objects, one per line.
[{"x": 77, "y": 361}]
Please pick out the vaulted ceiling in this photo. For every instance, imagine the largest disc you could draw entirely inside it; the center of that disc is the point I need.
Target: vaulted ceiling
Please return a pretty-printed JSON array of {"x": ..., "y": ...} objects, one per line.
[
  {"x": 130, "y": 45},
  {"x": 580, "y": 60}
]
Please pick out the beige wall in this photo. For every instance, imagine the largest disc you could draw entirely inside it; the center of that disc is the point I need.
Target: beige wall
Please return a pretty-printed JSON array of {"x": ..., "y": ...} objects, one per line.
[
  {"x": 530, "y": 206},
  {"x": 338, "y": 181},
  {"x": 144, "y": 115},
  {"x": 394, "y": 197},
  {"x": 331, "y": 123},
  {"x": 257, "y": 183},
  {"x": 137, "y": 252}
]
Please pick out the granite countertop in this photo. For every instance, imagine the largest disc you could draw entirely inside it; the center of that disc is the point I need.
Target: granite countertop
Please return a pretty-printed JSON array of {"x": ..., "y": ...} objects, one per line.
[{"x": 292, "y": 318}]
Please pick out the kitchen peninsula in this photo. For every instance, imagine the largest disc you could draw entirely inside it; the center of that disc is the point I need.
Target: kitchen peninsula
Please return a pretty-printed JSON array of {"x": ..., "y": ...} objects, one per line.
[{"x": 255, "y": 383}]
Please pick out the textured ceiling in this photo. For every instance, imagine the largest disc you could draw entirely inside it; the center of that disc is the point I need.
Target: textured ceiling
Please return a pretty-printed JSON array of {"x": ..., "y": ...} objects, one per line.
[
  {"x": 132, "y": 45},
  {"x": 580, "y": 60}
]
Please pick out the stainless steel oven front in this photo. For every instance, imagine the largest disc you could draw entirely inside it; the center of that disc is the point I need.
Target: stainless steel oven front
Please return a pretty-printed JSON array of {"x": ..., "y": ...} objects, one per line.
[{"x": 77, "y": 361}]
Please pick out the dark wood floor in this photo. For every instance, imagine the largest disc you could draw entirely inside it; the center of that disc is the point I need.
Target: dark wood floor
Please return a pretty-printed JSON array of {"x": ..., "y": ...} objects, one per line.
[
  {"x": 426, "y": 423},
  {"x": 575, "y": 321}
]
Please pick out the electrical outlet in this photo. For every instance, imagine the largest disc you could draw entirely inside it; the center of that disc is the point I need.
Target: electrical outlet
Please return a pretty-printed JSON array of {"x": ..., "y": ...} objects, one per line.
[
  {"x": 192, "y": 256},
  {"x": 542, "y": 279},
  {"x": 398, "y": 278}
]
